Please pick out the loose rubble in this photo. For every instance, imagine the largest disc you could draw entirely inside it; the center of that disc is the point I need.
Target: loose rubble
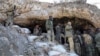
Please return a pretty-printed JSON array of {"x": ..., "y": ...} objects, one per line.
[{"x": 13, "y": 43}]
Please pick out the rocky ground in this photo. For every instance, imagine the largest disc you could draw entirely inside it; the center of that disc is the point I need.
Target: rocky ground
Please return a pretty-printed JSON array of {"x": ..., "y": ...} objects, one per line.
[{"x": 15, "y": 43}]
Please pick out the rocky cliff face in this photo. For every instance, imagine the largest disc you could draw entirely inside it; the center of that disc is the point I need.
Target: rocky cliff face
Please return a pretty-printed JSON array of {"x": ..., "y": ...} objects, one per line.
[{"x": 29, "y": 10}]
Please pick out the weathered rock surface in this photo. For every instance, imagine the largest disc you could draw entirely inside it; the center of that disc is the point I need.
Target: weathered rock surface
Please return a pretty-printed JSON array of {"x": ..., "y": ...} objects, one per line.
[
  {"x": 79, "y": 1},
  {"x": 13, "y": 43},
  {"x": 28, "y": 10}
]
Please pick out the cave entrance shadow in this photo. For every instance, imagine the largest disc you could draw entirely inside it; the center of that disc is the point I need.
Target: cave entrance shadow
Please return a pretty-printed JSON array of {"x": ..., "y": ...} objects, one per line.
[{"x": 77, "y": 24}]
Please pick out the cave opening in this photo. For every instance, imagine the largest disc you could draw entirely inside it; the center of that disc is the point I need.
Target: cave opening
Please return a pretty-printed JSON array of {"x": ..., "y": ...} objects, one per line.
[{"x": 77, "y": 24}]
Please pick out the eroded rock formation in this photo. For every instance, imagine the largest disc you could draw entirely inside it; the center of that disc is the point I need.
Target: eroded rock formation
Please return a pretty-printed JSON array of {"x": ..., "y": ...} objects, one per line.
[{"x": 29, "y": 10}]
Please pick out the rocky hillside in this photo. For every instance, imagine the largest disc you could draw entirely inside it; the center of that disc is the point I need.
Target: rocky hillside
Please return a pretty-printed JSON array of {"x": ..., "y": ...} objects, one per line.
[{"x": 15, "y": 43}]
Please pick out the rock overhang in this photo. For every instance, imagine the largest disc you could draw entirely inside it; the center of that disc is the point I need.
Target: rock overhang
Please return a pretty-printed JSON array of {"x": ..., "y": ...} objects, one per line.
[
  {"x": 82, "y": 11},
  {"x": 28, "y": 12}
]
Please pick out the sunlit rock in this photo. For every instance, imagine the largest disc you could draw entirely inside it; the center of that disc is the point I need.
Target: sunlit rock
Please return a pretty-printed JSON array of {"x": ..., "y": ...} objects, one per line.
[
  {"x": 29, "y": 11},
  {"x": 25, "y": 31},
  {"x": 31, "y": 38}
]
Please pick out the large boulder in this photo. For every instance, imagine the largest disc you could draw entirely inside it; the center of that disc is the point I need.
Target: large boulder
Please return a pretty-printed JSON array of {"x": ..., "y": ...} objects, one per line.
[{"x": 11, "y": 42}]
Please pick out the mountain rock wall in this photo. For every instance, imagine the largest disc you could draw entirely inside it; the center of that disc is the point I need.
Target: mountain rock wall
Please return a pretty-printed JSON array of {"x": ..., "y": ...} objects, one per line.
[{"x": 30, "y": 10}]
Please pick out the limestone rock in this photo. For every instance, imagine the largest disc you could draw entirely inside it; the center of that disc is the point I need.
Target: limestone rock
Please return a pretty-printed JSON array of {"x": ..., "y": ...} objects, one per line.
[{"x": 29, "y": 10}]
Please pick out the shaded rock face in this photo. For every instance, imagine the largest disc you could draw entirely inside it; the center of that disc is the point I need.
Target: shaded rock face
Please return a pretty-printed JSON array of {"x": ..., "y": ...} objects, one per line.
[{"x": 28, "y": 11}]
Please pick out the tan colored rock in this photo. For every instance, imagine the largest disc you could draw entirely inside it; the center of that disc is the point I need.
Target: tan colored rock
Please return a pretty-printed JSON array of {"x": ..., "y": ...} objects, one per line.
[{"x": 29, "y": 10}]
